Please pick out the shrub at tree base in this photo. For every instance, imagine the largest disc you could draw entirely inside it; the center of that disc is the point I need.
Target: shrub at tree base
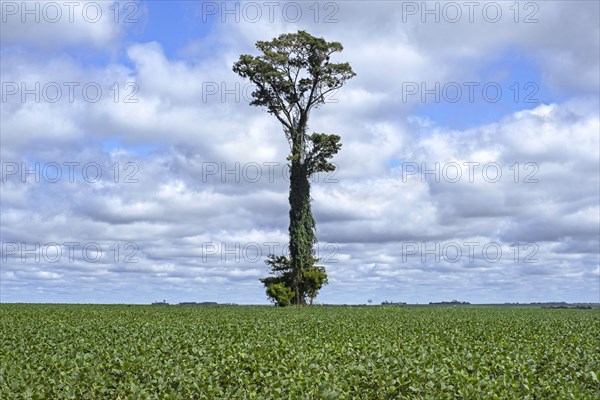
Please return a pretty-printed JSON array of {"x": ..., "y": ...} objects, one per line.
[
  {"x": 280, "y": 293},
  {"x": 280, "y": 285}
]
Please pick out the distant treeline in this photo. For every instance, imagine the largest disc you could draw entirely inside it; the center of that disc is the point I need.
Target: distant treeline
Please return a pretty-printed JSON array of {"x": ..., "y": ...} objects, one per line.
[
  {"x": 393, "y": 303},
  {"x": 193, "y": 303},
  {"x": 571, "y": 307},
  {"x": 548, "y": 305},
  {"x": 453, "y": 302}
]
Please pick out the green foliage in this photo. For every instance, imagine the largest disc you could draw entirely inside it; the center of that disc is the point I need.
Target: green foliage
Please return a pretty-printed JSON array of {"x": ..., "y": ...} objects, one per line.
[
  {"x": 292, "y": 76},
  {"x": 143, "y": 352},
  {"x": 323, "y": 148},
  {"x": 280, "y": 293},
  {"x": 313, "y": 280}
]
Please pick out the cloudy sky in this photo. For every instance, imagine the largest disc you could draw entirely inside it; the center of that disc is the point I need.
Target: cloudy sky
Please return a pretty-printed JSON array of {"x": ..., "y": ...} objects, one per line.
[{"x": 134, "y": 170}]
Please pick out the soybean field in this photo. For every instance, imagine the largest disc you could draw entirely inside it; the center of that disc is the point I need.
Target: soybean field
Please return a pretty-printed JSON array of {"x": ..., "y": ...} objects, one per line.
[{"x": 258, "y": 352}]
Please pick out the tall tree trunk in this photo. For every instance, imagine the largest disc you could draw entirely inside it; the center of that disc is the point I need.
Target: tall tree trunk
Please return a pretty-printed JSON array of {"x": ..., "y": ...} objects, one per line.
[{"x": 302, "y": 225}]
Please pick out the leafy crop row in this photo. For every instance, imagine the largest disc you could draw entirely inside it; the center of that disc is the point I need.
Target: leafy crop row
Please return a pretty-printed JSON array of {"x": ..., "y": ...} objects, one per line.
[{"x": 143, "y": 352}]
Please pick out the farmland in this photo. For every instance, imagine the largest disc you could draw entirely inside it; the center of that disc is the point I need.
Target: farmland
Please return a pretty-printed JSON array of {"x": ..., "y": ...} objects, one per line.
[{"x": 144, "y": 352}]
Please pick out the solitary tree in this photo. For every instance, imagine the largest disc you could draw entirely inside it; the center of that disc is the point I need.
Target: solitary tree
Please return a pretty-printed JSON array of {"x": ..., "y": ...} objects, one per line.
[{"x": 292, "y": 76}]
